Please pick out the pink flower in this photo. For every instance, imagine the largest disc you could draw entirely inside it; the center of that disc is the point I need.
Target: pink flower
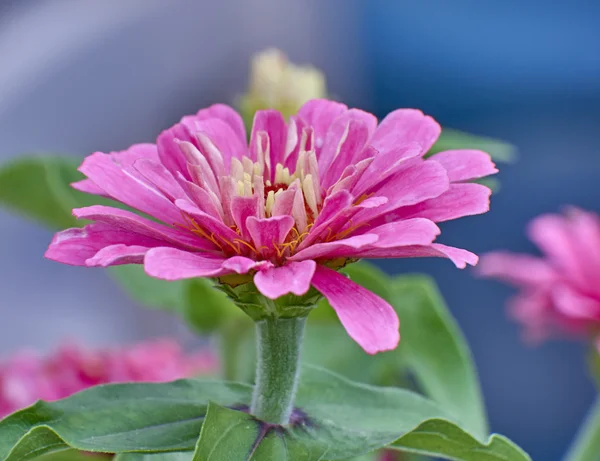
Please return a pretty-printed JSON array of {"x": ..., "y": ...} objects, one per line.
[
  {"x": 560, "y": 292},
  {"x": 305, "y": 197},
  {"x": 27, "y": 377}
]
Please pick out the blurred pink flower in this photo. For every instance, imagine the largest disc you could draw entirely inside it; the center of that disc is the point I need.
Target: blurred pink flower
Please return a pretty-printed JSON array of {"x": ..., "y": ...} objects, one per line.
[
  {"x": 560, "y": 291},
  {"x": 26, "y": 377},
  {"x": 303, "y": 199}
]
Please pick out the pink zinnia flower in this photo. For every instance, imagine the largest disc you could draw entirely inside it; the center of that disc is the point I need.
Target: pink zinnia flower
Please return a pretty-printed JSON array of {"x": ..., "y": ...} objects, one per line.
[
  {"x": 560, "y": 291},
  {"x": 27, "y": 377},
  {"x": 304, "y": 198}
]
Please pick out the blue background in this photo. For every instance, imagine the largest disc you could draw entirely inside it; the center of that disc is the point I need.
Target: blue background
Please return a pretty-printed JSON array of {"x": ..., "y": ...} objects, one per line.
[{"x": 86, "y": 76}]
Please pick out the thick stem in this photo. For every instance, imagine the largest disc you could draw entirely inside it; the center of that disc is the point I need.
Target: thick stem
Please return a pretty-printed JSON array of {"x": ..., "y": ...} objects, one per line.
[{"x": 279, "y": 342}]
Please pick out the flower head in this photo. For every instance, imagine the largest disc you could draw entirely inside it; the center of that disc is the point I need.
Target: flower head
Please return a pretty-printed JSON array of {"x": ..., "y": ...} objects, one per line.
[
  {"x": 277, "y": 83},
  {"x": 560, "y": 291},
  {"x": 27, "y": 377},
  {"x": 304, "y": 198}
]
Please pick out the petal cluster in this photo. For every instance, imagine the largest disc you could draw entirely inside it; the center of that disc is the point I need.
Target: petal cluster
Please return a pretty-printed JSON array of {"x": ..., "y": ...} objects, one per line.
[
  {"x": 307, "y": 195},
  {"x": 559, "y": 291},
  {"x": 27, "y": 377}
]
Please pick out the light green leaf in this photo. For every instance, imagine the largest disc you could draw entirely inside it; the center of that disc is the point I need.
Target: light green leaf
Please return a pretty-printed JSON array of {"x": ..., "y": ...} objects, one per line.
[
  {"x": 437, "y": 352},
  {"x": 500, "y": 151},
  {"x": 117, "y": 418},
  {"x": 34, "y": 187},
  {"x": 442, "y": 438},
  {"x": 232, "y": 435},
  {"x": 149, "y": 291},
  {"x": 586, "y": 446}
]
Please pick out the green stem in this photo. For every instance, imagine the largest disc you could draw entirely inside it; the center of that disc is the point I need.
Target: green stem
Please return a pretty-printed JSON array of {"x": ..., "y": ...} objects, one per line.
[
  {"x": 587, "y": 443},
  {"x": 279, "y": 341}
]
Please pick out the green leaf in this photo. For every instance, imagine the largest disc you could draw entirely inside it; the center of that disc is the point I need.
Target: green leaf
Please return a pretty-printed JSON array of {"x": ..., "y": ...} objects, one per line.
[
  {"x": 149, "y": 291},
  {"x": 586, "y": 446},
  {"x": 206, "y": 308},
  {"x": 436, "y": 351},
  {"x": 117, "y": 418},
  {"x": 347, "y": 418},
  {"x": 172, "y": 456},
  {"x": 432, "y": 347},
  {"x": 500, "y": 151},
  {"x": 72, "y": 455},
  {"x": 232, "y": 435},
  {"x": 34, "y": 187},
  {"x": 442, "y": 438}
]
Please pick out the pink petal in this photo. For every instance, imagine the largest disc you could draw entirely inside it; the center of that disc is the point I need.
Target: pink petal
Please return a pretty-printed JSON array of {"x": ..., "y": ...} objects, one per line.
[
  {"x": 170, "y": 153},
  {"x": 172, "y": 264},
  {"x": 268, "y": 232},
  {"x": 123, "y": 186},
  {"x": 416, "y": 231},
  {"x": 117, "y": 254},
  {"x": 517, "y": 269},
  {"x": 367, "y": 318},
  {"x": 412, "y": 184},
  {"x": 294, "y": 277},
  {"x": 204, "y": 199},
  {"x": 345, "y": 138},
  {"x": 224, "y": 113},
  {"x": 273, "y": 124},
  {"x": 284, "y": 203},
  {"x": 76, "y": 246},
  {"x": 241, "y": 209},
  {"x": 458, "y": 256},
  {"x": 243, "y": 265},
  {"x": 206, "y": 222},
  {"x": 336, "y": 249},
  {"x": 405, "y": 126},
  {"x": 159, "y": 177},
  {"x": 458, "y": 201},
  {"x": 126, "y": 220},
  {"x": 575, "y": 305},
  {"x": 466, "y": 164},
  {"x": 89, "y": 187},
  {"x": 320, "y": 114},
  {"x": 219, "y": 143},
  {"x": 384, "y": 166}
]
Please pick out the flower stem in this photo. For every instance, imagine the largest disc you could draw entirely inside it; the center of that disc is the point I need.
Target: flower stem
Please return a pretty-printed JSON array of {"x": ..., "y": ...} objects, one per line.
[
  {"x": 587, "y": 444},
  {"x": 279, "y": 341}
]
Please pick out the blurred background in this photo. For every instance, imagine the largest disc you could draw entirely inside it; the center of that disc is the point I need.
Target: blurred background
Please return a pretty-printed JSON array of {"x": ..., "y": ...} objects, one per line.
[{"x": 77, "y": 77}]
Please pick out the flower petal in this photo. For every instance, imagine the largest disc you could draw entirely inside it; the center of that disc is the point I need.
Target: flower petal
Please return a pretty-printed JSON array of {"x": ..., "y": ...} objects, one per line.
[
  {"x": 267, "y": 233},
  {"x": 126, "y": 220},
  {"x": 458, "y": 256},
  {"x": 294, "y": 277},
  {"x": 243, "y": 265},
  {"x": 517, "y": 269},
  {"x": 129, "y": 189},
  {"x": 76, "y": 246},
  {"x": 222, "y": 112},
  {"x": 157, "y": 175},
  {"x": 173, "y": 264},
  {"x": 273, "y": 124},
  {"x": 466, "y": 164},
  {"x": 345, "y": 138},
  {"x": 405, "y": 126},
  {"x": 336, "y": 249},
  {"x": 114, "y": 255},
  {"x": 367, "y": 318},
  {"x": 170, "y": 153},
  {"x": 320, "y": 114},
  {"x": 241, "y": 209},
  {"x": 458, "y": 201}
]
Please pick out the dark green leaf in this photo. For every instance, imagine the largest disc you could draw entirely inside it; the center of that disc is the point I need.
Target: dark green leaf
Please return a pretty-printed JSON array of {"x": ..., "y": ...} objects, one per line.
[
  {"x": 452, "y": 139},
  {"x": 73, "y": 455},
  {"x": 347, "y": 418},
  {"x": 436, "y": 351},
  {"x": 171, "y": 456},
  {"x": 233, "y": 435},
  {"x": 117, "y": 418}
]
